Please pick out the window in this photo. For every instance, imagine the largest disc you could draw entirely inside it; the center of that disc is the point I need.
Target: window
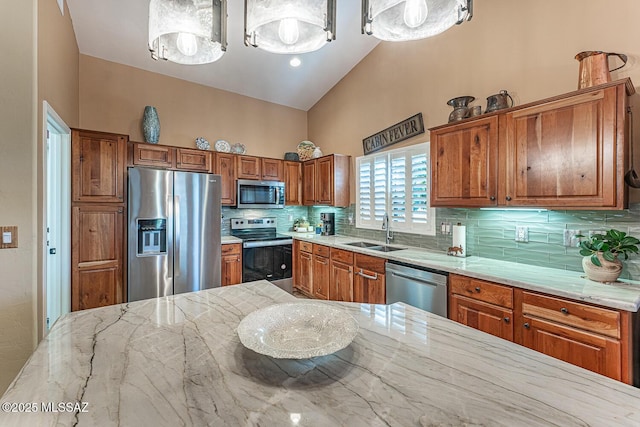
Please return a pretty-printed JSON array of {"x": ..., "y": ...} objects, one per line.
[{"x": 396, "y": 182}]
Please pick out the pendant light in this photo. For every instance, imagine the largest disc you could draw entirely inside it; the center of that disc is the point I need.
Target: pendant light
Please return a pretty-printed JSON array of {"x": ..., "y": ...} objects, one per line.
[
  {"x": 188, "y": 31},
  {"x": 289, "y": 26},
  {"x": 401, "y": 20}
]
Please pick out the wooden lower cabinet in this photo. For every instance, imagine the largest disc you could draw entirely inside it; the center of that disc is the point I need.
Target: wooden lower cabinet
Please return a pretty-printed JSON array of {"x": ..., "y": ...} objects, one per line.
[
  {"x": 303, "y": 267},
  {"x": 321, "y": 271},
  {"x": 595, "y": 338},
  {"x": 369, "y": 283},
  {"x": 341, "y": 280},
  {"x": 479, "y": 315},
  {"x": 97, "y": 239},
  {"x": 231, "y": 269},
  {"x": 481, "y": 305}
]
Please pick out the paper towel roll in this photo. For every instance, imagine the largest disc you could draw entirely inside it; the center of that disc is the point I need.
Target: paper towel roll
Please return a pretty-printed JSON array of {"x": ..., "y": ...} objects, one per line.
[{"x": 459, "y": 245}]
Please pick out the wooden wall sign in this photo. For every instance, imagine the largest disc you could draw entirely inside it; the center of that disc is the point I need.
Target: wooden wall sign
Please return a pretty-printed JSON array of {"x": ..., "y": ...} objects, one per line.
[{"x": 399, "y": 132}]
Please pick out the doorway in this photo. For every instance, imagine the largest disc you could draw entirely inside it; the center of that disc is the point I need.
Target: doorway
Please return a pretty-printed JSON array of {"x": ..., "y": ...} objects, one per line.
[{"x": 57, "y": 218}]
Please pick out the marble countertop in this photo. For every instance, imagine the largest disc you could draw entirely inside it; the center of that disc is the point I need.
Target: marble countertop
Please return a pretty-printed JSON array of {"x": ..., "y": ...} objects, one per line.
[
  {"x": 225, "y": 240},
  {"x": 178, "y": 361},
  {"x": 624, "y": 295}
]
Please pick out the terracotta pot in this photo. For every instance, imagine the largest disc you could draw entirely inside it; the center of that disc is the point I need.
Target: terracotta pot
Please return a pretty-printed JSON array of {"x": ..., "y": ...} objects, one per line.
[{"x": 609, "y": 272}]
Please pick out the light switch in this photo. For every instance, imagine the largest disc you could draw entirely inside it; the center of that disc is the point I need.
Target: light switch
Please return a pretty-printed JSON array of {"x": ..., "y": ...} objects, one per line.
[{"x": 9, "y": 237}]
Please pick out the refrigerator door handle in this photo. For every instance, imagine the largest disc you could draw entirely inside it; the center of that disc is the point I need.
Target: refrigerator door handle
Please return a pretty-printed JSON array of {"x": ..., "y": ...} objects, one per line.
[
  {"x": 170, "y": 238},
  {"x": 176, "y": 247}
]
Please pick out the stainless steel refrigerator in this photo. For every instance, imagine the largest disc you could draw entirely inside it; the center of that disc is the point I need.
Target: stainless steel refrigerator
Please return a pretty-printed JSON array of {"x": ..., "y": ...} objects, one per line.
[{"x": 174, "y": 232}]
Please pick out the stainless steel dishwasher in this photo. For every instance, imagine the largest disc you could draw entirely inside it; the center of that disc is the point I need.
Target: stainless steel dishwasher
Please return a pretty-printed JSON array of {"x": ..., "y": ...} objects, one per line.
[{"x": 417, "y": 286}]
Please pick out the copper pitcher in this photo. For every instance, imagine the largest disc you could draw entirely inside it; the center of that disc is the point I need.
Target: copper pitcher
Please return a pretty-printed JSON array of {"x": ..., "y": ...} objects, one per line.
[{"x": 594, "y": 67}]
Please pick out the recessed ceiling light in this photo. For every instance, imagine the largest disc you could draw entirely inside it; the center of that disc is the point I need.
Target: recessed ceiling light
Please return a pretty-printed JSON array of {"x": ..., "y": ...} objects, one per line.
[{"x": 295, "y": 62}]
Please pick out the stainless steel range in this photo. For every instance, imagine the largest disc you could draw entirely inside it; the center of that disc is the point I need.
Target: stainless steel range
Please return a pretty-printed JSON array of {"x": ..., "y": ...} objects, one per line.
[{"x": 265, "y": 253}]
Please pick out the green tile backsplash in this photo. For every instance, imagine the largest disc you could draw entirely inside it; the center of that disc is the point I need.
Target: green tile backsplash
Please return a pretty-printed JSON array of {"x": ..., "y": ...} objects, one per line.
[{"x": 490, "y": 233}]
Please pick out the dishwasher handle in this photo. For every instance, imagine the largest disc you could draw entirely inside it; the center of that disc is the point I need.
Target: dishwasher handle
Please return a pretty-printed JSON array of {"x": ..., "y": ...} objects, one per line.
[{"x": 416, "y": 279}]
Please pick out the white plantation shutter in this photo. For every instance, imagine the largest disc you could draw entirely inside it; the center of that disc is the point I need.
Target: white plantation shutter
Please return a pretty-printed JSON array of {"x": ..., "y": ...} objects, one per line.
[
  {"x": 372, "y": 188},
  {"x": 379, "y": 201},
  {"x": 396, "y": 182}
]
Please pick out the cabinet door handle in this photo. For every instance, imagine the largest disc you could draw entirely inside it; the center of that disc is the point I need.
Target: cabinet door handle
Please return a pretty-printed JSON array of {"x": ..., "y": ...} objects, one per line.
[
  {"x": 477, "y": 288},
  {"x": 507, "y": 320},
  {"x": 492, "y": 198},
  {"x": 527, "y": 326},
  {"x": 366, "y": 276},
  {"x": 564, "y": 310},
  {"x": 508, "y": 198}
]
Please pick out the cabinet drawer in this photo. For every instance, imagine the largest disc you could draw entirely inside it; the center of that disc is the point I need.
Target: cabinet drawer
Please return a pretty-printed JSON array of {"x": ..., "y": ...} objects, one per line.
[
  {"x": 152, "y": 155},
  {"x": 370, "y": 263},
  {"x": 193, "y": 160},
  {"x": 231, "y": 249},
  {"x": 321, "y": 250},
  {"x": 306, "y": 246},
  {"x": 341, "y": 256},
  {"x": 481, "y": 290},
  {"x": 589, "y": 318}
]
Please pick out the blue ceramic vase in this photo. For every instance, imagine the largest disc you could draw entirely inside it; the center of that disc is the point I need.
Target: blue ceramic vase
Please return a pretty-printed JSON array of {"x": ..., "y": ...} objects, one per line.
[{"x": 151, "y": 125}]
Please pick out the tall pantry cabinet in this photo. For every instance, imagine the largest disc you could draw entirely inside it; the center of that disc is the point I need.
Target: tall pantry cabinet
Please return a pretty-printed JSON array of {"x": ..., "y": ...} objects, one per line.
[{"x": 98, "y": 217}]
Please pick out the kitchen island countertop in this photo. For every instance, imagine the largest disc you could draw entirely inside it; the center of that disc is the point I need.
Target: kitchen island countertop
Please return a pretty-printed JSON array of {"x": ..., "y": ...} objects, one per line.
[
  {"x": 178, "y": 361},
  {"x": 624, "y": 294}
]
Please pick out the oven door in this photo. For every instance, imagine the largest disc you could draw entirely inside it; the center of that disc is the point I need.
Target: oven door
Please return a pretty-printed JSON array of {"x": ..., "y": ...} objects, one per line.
[
  {"x": 269, "y": 260},
  {"x": 260, "y": 194}
]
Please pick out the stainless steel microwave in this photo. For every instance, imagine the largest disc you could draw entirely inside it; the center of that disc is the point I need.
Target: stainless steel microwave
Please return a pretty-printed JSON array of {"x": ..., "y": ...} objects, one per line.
[{"x": 260, "y": 194}]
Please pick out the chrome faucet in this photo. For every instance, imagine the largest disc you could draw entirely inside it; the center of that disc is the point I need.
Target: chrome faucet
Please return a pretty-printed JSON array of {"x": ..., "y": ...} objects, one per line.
[{"x": 386, "y": 225}]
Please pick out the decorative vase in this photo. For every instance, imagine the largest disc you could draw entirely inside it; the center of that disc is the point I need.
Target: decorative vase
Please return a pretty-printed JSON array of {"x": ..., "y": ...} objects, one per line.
[
  {"x": 151, "y": 125},
  {"x": 317, "y": 152},
  {"x": 608, "y": 272}
]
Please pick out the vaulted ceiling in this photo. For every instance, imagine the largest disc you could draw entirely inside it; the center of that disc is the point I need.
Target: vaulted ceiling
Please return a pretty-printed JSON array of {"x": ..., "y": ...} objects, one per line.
[{"x": 117, "y": 31}]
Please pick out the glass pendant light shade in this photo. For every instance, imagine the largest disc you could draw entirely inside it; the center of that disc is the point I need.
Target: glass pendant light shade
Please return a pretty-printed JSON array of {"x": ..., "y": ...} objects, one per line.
[
  {"x": 289, "y": 26},
  {"x": 401, "y": 20},
  {"x": 188, "y": 31}
]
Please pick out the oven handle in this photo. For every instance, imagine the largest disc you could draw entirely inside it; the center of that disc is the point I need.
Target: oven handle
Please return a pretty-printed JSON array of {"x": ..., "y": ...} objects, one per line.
[{"x": 266, "y": 243}]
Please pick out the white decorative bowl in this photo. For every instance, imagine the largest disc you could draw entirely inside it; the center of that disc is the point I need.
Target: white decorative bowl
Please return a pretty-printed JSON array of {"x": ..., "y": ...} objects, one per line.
[{"x": 297, "y": 330}]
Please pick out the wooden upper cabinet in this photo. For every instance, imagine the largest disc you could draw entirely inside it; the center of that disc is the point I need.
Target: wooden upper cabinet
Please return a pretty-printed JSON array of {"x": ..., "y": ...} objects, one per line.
[
  {"x": 326, "y": 181},
  {"x": 249, "y": 167},
  {"x": 272, "y": 169},
  {"x": 157, "y": 156},
  {"x": 464, "y": 161},
  {"x": 225, "y": 166},
  {"x": 292, "y": 182},
  {"x": 309, "y": 183},
  {"x": 98, "y": 166},
  {"x": 569, "y": 151},
  {"x": 193, "y": 160}
]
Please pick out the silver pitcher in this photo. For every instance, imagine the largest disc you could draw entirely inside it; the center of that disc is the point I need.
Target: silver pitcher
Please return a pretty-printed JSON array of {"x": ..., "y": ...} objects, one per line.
[{"x": 499, "y": 101}]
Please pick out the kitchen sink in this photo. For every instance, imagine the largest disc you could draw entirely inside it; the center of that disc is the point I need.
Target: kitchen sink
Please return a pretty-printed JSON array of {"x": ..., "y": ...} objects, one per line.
[
  {"x": 363, "y": 244},
  {"x": 374, "y": 246},
  {"x": 385, "y": 248}
]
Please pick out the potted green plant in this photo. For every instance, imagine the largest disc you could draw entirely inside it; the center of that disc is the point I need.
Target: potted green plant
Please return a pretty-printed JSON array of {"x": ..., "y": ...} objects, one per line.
[{"x": 602, "y": 252}]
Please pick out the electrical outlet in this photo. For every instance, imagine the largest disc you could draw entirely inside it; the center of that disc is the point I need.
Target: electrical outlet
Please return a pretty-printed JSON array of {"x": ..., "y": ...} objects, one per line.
[
  {"x": 522, "y": 233},
  {"x": 570, "y": 239}
]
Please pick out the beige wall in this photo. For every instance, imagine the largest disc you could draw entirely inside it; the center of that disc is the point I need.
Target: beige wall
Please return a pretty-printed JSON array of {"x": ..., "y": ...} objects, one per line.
[
  {"x": 113, "y": 97},
  {"x": 58, "y": 62},
  {"x": 527, "y": 48},
  {"x": 17, "y": 179}
]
